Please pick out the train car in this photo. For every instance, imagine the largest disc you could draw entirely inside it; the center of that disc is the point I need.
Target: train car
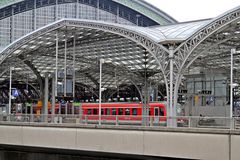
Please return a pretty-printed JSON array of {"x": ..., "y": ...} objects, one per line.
[{"x": 131, "y": 112}]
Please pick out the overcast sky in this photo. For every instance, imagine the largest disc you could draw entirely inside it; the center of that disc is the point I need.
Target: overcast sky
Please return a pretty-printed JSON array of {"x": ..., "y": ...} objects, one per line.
[{"x": 187, "y": 10}]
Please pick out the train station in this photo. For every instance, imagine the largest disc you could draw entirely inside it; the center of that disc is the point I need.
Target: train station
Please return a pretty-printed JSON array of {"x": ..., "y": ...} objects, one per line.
[{"x": 102, "y": 62}]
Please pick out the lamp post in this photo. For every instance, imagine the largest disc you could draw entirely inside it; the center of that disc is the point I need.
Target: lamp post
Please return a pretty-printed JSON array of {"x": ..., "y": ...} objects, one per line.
[
  {"x": 233, "y": 51},
  {"x": 10, "y": 90},
  {"x": 102, "y": 61}
]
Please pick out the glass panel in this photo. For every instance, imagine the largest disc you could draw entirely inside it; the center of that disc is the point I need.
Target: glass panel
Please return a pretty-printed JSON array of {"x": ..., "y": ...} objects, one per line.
[
  {"x": 95, "y": 111},
  {"x": 161, "y": 112},
  {"x": 134, "y": 111},
  {"x": 120, "y": 111},
  {"x": 108, "y": 111},
  {"x": 127, "y": 111},
  {"x": 113, "y": 111},
  {"x": 89, "y": 111},
  {"x": 156, "y": 111}
]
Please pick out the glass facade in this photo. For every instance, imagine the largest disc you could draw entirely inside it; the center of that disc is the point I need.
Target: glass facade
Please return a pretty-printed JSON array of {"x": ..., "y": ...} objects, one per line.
[
  {"x": 208, "y": 90},
  {"x": 26, "y": 16}
]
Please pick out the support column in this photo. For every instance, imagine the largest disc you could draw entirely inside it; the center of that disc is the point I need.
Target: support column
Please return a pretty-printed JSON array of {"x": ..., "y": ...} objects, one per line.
[
  {"x": 66, "y": 108},
  {"x": 56, "y": 67},
  {"x": 170, "y": 121},
  {"x": 100, "y": 91},
  {"x": 53, "y": 97},
  {"x": 65, "y": 66},
  {"x": 144, "y": 109},
  {"x": 45, "y": 106},
  {"x": 233, "y": 51},
  {"x": 145, "y": 105},
  {"x": 175, "y": 98},
  {"x": 10, "y": 92},
  {"x": 74, "y": 63},
  {"x": 31, "y": 112},
  {"x": 156, "y": 93}
]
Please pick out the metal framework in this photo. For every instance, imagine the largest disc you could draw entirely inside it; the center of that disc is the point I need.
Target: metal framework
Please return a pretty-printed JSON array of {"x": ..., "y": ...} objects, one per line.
[{"x": 139, "y": 54}]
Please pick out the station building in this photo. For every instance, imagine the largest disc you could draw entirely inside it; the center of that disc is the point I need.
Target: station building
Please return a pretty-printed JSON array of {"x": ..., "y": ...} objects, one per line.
[{"x": 53, "y": 48}]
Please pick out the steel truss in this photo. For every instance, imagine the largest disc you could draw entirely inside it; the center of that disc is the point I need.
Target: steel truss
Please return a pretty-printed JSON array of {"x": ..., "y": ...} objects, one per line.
[{"x": 170, "y": 59}]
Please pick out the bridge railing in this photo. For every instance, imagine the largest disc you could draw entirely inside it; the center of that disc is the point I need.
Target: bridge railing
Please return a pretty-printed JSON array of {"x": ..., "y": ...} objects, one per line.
[{"x": 153, "y": 121}]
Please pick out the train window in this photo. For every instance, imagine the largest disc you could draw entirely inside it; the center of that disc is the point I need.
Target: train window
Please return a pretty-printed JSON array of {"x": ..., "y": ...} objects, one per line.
[
  {"x": 134, "y": 111},
  {"x": 120, "y": 111},
  {"x": 156, "y": 111},
  {"x": 113, "y": 111},
  {"x": 95, "y": 111},
  {"x": 127, "y": 111},
  {"x": 89, "y": 111},
  {"x": 102, "y": 112},
  {"x": 108, "y": 111},
  {"x": 161, "y": 112}
]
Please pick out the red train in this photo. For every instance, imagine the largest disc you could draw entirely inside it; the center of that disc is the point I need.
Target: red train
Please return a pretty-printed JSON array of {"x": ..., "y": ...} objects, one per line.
[{"x": 124, "y": 111}]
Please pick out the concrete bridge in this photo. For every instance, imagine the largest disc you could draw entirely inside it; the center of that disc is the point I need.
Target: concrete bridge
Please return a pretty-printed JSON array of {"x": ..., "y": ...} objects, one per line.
[{"x": 185, "y": 143}]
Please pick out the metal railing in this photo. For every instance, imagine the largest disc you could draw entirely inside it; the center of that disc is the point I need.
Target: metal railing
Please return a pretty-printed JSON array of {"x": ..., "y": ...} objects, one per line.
[{"x": 153, "y": 121}]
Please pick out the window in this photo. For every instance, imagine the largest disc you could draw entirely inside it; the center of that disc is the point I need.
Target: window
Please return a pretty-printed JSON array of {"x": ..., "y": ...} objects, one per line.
[
  {"x": 134, "y": 111},
  {"x": 89, "y": 111},
  {"x": 95, "y": 111},
  {"x": 156, "y": 111},
  {"x": 127, "y": 111},
  {"x": 108, "y": 111},
  {"x": 102, "y": 112},
  {"x": 161, "y": 112},
  {"x": 114, "y": 111},
  {"x": 120, "y": 111}
]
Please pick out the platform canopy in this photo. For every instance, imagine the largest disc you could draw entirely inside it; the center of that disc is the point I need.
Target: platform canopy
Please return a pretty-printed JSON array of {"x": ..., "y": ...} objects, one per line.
[{"x": 134, "y": 53}]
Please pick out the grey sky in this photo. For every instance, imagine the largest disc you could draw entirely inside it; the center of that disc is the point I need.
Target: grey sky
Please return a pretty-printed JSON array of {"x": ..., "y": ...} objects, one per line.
[{"x": 187, "y": 10}]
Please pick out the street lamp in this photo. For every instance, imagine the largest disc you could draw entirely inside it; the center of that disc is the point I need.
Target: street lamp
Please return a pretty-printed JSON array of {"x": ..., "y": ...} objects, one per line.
[
  {"x": 102, "y": 61},
  {"x": 233, "y": 51},
  {"x": 10, "y": 90}
]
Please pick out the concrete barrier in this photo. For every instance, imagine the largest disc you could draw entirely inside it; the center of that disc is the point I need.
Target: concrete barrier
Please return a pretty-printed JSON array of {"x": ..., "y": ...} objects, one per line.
[{"x": 178, "y": 143}]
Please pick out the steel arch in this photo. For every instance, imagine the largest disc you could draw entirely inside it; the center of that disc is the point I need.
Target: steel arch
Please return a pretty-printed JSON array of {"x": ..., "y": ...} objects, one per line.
[{"x": 186, "y": 48}]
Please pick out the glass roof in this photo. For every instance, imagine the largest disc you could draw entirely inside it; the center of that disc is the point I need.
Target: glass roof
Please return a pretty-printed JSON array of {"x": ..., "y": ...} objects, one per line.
[
  {"x": 180, "y": 31},
  {"x": 175, "y": 32}
]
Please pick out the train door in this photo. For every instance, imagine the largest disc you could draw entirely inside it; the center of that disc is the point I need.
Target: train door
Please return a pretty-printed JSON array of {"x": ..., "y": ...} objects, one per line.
[{"x": 156, "y": 115}]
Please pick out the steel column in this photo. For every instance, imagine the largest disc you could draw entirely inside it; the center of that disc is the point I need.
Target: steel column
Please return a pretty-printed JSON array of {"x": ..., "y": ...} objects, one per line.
[
  {"x": 53, "y": 97},
  {"x": 233, "y": 51},
  {"x": 145, "y": 106},
  {"x": 10, "y": 91},
  {"x": 56, "y": 65},
  {"x": 100, "y": 90},
  {"x": 65, "y": 66},
  {"x": 171, "y": 86},
  {"x": 46, "y": 95},
  {"x": 74, "y": 61}
]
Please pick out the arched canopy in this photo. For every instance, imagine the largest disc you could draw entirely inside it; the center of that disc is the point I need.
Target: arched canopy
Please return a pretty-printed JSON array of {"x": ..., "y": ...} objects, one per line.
[
  {"x": 209, "y": 46},
  {"x": 131, "y": 51}
]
